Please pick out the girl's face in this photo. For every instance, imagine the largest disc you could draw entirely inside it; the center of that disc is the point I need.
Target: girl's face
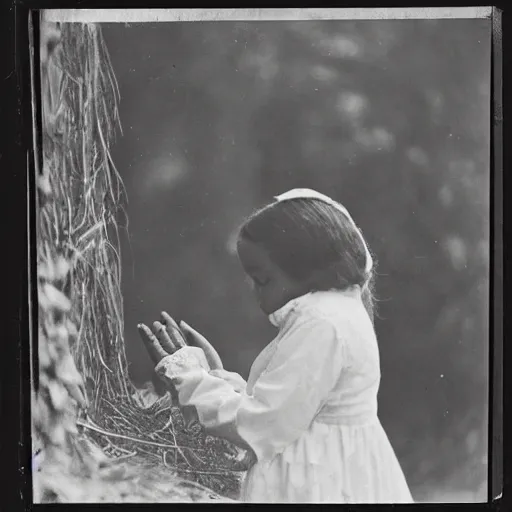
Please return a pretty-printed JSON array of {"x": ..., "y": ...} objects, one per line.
[{"x": 271, "y": 286}]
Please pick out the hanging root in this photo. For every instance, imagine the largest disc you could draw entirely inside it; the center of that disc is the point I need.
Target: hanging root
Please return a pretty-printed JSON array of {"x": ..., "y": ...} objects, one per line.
[
  {"x": 80, "y": 120},
  {"x": 82, "y": 359}
]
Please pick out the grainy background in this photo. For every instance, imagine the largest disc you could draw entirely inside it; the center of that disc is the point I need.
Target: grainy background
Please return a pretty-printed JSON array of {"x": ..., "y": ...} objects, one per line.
[{"x": 390, "y": 117}]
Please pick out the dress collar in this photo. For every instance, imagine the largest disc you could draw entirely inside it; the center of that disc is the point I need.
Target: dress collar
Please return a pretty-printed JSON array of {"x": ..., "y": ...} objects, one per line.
[{"x": 278, "y": 318}]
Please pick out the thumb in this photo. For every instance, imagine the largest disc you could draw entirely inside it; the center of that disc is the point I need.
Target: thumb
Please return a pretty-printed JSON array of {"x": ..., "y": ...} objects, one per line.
[
  {"x": 198, "y": 340},
  {"x": 193, "y": 338},
  {"x": 187, "y": 330}
]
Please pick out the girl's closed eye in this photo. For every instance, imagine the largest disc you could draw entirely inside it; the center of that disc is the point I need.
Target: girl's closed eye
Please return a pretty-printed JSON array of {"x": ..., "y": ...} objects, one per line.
[
  {"x": 260, "y": 281},
  {"x": 256, "y": 276}
]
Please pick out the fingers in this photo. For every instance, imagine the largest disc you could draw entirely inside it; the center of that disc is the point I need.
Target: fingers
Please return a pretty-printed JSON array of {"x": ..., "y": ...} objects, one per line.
[
  {"x": 173, "y": 330},
  {"x": 155, "y": 351},
  {"x": 167, "y": 337},
  {"x": 197, "y": 340},
  {"x": 193, "y": 337},
  {"x": 163, "y": 337}
]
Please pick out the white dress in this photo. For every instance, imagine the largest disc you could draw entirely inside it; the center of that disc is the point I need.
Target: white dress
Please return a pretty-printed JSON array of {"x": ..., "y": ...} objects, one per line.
[{"x": 308, "y": 410}]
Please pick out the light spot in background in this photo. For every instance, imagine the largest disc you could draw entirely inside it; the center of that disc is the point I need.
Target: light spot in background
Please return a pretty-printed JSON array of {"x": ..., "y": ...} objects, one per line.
[
  {"x": 323, "y": 73},
  {"x": 263, "y": 60},
  {"x": 162, "y": 173},
  {"x": 377, "y": 139},
  {"x": 383, "y": 139},
  {"x": 466, "y": 172},
  {"x": 457, "y": 251},
  {"x": 473, "y": 440},
  {"x": 417, "y": 156},
  {"x": 446, "y": 196},
  {"x": 351, "y": 104},
  {"x": 341, "y": 46},
  {"x": 435, "y": 100}
]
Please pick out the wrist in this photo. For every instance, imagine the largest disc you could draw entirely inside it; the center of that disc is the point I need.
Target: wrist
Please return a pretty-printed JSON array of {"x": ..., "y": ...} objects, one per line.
[{"x": 183, "y": 360}]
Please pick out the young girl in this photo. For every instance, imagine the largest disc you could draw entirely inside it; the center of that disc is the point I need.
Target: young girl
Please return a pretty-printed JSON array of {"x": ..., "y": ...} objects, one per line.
[{"x": 307, "y": 414}]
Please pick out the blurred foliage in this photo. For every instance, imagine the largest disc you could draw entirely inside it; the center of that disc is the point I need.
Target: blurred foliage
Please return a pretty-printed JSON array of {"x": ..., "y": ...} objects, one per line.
[{"x": 392, "y": 118}]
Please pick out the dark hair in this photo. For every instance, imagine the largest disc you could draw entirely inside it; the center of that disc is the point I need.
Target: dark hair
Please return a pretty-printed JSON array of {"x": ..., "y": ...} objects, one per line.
[{"x": 314, "y": 243}]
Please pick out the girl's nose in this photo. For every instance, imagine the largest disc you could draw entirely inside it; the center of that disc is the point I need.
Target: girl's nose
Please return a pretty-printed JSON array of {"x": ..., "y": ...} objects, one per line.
[{"x": 250, "y": 282}]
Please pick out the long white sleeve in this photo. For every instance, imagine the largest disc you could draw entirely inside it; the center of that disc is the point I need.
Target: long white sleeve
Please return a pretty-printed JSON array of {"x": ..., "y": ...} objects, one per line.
[
  {"x": 284, "y": 400},
  {"x": 237, "y": 381}
]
